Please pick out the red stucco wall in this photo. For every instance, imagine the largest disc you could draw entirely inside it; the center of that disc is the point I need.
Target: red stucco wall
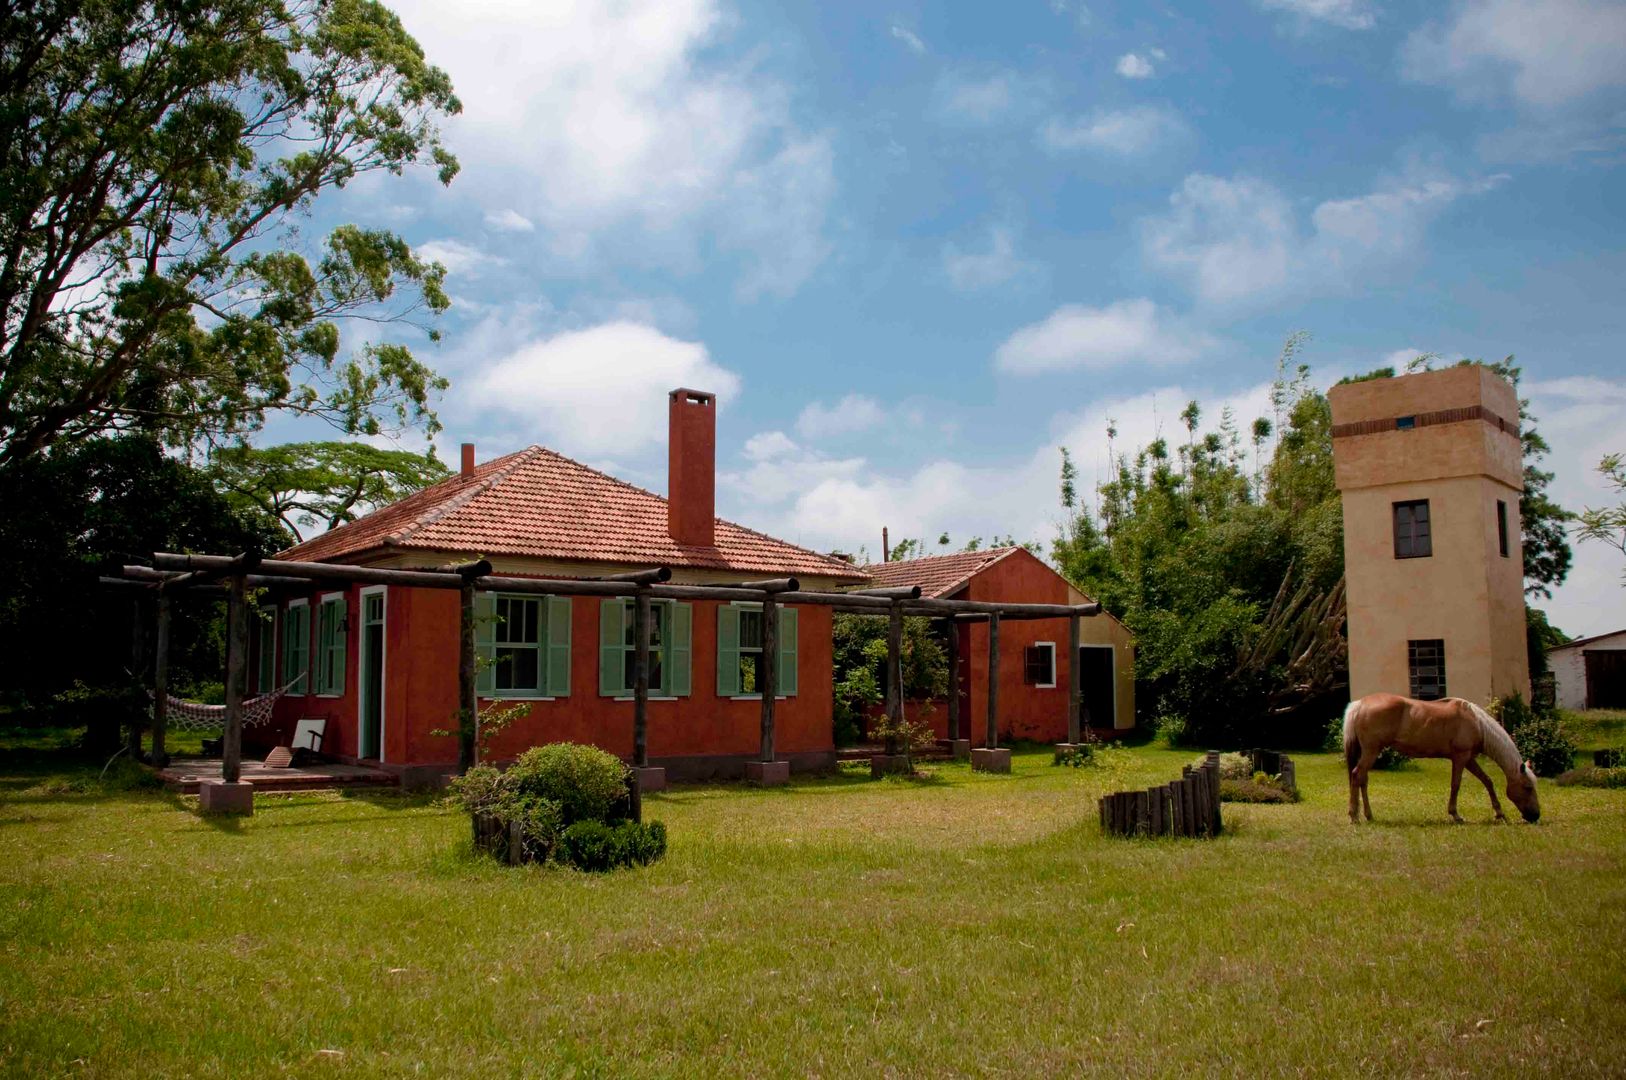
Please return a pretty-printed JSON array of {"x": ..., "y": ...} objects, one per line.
[{"x": 421, "y": 633}]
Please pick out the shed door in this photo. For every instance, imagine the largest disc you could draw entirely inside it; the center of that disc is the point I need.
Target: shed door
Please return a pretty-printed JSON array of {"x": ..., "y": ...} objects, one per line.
[
  {"x": 1605, "y": 678},
  {"x": 1096, "y": 685}
]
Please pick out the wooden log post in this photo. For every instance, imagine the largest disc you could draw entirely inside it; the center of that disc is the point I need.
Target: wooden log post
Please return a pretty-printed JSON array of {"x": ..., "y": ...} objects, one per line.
[
  {"x": 992, "y": 734},
  {"x": 160, "y": 679},
  {"x": 954, "y": 681},
  {"x": 894, "y": 679},
  {"x": 468, "y": 714},
  {"x": 768, "y": 673},
  {"x": 138, "y": 664},
  {"x": 1075, "y": 685},
  {"x": 640, "y": 678},
  {"x": 231, "y": 743}
]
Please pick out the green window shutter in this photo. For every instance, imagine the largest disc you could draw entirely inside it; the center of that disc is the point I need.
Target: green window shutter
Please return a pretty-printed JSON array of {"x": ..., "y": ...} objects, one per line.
[
  {"x": 556, "y": 682},
  {"x": 340, "y": 641},
  {"x": 728, "y": 650},
  {"x": 679, "y": 651},
  {"x": 787, "y": 652},
  {"x": 485, "y": 649},
  {"x": 612, "y": 636},
  {"x": 267, "y": 676},
  {"x": 296, "y": 652}
]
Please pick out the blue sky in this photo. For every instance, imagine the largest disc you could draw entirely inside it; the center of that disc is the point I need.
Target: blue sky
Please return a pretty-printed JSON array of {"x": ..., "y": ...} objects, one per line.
[{"x": 915, "y": 248}]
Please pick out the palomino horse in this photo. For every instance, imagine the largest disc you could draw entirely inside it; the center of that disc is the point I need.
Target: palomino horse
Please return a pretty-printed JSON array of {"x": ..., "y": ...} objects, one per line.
[{"x": 1449, "y": 728}]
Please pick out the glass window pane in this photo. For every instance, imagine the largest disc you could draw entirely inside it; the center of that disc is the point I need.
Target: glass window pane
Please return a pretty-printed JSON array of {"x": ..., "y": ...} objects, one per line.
[{"x": 750, "y": 629}]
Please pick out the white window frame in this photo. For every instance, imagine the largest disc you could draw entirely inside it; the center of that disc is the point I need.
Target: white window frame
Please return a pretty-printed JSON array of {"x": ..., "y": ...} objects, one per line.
[
  {"x": 1051, "y": 645},
  {"x": 540, "y": 646},
  {"x": 318, "y": 649},
  {"x": 383, "y": 592},
  {"x": 756, "y": 605}
]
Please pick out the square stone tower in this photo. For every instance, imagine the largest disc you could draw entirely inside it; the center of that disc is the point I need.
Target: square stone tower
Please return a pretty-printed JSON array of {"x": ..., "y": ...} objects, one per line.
[{"x": 1430, "y": 468}]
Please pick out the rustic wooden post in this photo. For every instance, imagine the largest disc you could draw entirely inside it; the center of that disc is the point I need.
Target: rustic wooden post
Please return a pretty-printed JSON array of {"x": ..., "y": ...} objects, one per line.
[
  {"x": 768, "y": 672},
  {"x": 1075, "y": 685},
  {"x": 138, "y": 664},
  {"x": 1177, "y": 819},
  {"x": 993, "y": 682},
  {"x": 467, "y": 701},
  {"x": 160, "y": 679},
  {"x": 954, "y": 681},
  {"x": 231, "y": 744},
  {"x": 1159, "y": 796},
  {"x": 640, "y": 678},
  {"x": 894, "y": 677}
]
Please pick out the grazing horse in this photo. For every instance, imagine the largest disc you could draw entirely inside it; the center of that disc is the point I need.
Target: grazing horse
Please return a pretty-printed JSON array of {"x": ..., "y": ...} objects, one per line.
[{"x": 1449, "y": 728}]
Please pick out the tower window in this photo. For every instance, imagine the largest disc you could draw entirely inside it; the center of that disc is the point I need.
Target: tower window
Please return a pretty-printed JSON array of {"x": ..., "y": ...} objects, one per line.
[
  {"x": 1426, "y": 661},
  {"x": 1405, "y": 423},
  {"x": 1413, "y": 532},
  {"x": 1501, "y": 526}
]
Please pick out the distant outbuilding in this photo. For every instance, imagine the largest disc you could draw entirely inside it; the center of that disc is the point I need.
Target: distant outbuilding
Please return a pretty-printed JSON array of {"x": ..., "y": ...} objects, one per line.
[{"x": 1591, "y": 671}]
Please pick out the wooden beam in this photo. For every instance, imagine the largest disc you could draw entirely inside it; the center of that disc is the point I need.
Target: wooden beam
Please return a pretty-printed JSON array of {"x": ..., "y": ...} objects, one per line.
[
  {"x": 160, "y": 679},
  {"x": 888, "y": 592},
  {"x": 231, "y": 742},
  {"x": 954, "y": 680},
  {"x": 894, "y": 676},
  {"x": 640, "y": 678},
  {"x": 993, "y": 683},
  {"x": 768, "y": 672},
  {"x": 477, "y": 569},
  {"x": 1075, "y": 683},
  {"x": 468, "y": 705},
  {"x": 768, "y": 585},
  {"x": 656, "y": 576}
]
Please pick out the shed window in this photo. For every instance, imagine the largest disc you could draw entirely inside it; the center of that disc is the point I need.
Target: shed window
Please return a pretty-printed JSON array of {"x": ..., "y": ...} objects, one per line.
[
  {"x": 670, "y": 632},
  {"x": 739, "y": 646},
  {"x": 523, "y": 644},
  {"x": 1413, "y": 530},
  {"x": 1039, "y": 664},
  {"x": 296, "y": 647},
  {"x": 330, "y": 640},
  {"x": 1426, "y": 661}
]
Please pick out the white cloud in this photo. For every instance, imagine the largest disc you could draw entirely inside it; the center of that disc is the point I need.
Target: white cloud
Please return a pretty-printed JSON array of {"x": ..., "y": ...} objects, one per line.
[
  {"x": 1348, "y": 14},
  {"x": 969, "y": 271},
  {"x": 457, "y": 257},
  {"x": 1544, "y": 53},
  {"x": 1134, "y": 66},
  {"x": 1125, "y": 132},
  {"x": 1580, "y": 418},
  {"x": 852, "y": 414},
  {"x": 1240, "y": 239},
  {"x": 978, "y": 100},
  {"x": 767, "y": 445},
  {"x": 1074, "y": 336},
  {"x": 563, "y": 390},
  {"x": 1399, "y": 358},
  {"x": 509, "y": 220},
  {"x": 622, "y": 128},
  {"x": 910, "y": 39}
]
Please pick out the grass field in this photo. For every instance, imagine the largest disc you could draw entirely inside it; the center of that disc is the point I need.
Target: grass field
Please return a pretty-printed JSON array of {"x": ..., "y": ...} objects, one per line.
[{"x": 969, "y": 925}]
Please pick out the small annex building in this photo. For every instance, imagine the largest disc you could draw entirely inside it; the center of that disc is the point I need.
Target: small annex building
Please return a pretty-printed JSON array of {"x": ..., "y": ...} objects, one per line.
[
  {"x": 373, "y": 661},
  {"x": 1035, "y": 672},
  {"x": 1590, "y": 672}
]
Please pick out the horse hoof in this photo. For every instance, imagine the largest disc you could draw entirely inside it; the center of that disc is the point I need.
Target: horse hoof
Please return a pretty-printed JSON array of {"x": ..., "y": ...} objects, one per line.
[{"x": 1457, "y": 818}]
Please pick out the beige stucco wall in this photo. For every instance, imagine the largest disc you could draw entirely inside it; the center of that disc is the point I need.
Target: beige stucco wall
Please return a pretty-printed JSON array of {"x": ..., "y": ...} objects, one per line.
[
  {"x": 1467, "y": 593},
  {"x": 1103, "y": 629}
]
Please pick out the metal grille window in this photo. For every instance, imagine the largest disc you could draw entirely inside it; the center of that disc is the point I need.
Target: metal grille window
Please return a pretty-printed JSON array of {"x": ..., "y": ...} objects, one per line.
[
  {"x": 1413, "y": 530},
  {"x": 1426, "y": 661},
  {"x": 1040, "y": 664}
]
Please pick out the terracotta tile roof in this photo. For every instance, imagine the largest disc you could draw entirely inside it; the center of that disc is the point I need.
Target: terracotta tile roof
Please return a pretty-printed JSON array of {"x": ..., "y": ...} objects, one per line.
[
  {"x": 540, "y": 504},
  {"x": 938, "y": 576}
]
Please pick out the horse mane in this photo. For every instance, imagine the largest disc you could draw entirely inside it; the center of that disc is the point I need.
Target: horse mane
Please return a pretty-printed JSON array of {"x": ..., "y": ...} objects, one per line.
[{"x": 1499, "y": 745}]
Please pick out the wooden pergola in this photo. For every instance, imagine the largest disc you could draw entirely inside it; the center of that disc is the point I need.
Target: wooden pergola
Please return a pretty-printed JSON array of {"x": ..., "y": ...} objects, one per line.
[{"x": 171, "y": 573}]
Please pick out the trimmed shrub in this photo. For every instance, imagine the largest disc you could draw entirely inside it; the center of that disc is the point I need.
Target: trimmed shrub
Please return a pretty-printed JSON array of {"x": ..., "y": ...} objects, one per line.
[
  {"x": 1594, "y": 776},
  {"x": 1254, "y": 791},
  {"x": 1540, "y": 736},
  {"x": 595, "y": 846},
  {"x": 585, "y": 782}
]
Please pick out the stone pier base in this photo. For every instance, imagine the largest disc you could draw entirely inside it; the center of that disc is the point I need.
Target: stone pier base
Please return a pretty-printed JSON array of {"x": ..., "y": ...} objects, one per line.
[
  {"x": 960, "y": 749},
  {"x": 882, "y": 764},
  {"x": 651, "y": 778},
  {"x": 991, "y": 760},
  {"x": 767, "y": 773},
  {"x": 220, "y": 797}
]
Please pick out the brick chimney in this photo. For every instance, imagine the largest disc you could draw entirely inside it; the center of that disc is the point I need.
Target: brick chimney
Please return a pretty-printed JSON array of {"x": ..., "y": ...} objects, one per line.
[
  {"x": 468, "y": 459},
  {"x": 691, "y": 468}
]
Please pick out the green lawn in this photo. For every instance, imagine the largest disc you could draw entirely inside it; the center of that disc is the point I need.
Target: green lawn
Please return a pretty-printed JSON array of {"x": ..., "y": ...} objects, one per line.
[
  {"x": 1596, "y": 729},
  {"x": 972, "y": 925}
]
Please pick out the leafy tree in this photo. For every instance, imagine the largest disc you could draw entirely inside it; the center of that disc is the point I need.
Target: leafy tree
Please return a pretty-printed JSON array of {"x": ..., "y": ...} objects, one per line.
[
  {"x": 1540, "y": 635},
  {"x": 1607, "y": 524},
  {"x": 1547, "y": 555},
  {"x": 322, "y": 483},
  {"x": 87, "y": 506},
  {"x": 157, "y": 156},
  {"x": 860, "y": 653}
]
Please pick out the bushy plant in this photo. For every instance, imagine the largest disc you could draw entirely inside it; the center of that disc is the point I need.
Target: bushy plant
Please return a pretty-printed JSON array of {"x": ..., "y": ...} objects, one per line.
[
  {"x": 1171, "y": 728},
  {"x": 1389, "y": 760},
  {"x": 1540, "y": 736},
  {"x": 1260, "y": 789},
  {"x": 1595, "y": 776},
  {"x": 597, "y": 846},
  {"x": 587, "y": 783}
]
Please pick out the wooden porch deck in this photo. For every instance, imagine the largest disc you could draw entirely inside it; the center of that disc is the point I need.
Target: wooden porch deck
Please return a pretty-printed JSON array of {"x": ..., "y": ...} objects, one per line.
[{"x": 185, "y": 774}]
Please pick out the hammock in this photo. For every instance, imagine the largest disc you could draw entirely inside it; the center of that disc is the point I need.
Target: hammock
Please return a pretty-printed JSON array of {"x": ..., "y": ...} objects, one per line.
[{"x": 196, "y": 716}]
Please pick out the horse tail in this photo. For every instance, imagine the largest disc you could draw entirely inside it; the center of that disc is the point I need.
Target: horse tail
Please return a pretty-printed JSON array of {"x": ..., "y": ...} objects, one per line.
[{"x": 1352, "y": 742}]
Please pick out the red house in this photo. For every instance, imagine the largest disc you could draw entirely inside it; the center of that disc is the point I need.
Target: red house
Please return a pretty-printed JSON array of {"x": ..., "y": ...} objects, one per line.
[
  {"x": 1034, "y": 674},
  {"x": 378, "y": 663}
]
